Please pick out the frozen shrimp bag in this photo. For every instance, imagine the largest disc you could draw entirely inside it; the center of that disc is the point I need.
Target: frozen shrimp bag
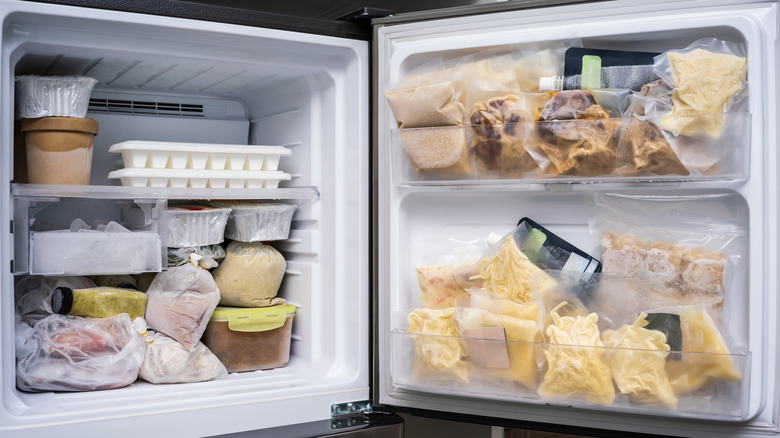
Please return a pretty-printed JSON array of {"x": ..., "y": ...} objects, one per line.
[{"x": 73, "y": 353}]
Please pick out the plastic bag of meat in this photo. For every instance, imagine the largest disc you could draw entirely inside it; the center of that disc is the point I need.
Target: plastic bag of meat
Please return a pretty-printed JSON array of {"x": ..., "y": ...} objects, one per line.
[
  {"x": 73, "y": 353},
  {"x": 167, "y": 361}
]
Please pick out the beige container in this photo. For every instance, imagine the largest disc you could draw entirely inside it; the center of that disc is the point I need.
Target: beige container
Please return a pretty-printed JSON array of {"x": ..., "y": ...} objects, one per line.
[{"x": 59, "y": 149}]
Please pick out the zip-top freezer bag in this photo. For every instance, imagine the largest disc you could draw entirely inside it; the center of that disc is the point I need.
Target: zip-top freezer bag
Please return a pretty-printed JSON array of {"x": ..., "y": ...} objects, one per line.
[
  {"x": 180, "y": 302},
  {"x": 708, "y": 77},
  {"x": 687, "y": 243},
  {"x": 73, "y": 353}
]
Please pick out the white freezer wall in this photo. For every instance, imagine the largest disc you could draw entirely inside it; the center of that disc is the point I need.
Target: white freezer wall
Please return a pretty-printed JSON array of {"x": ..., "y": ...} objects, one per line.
[
  {"x": 305, "y": 92},
  {"x": 626, "y": 25}
]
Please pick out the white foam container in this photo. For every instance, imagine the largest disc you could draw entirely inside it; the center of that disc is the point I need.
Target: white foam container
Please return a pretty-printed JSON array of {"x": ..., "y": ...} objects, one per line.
[
  {"x": 199, "y": 156},
  {"x": 63, "y": 252},
  {"x": 217, "y": 179}
]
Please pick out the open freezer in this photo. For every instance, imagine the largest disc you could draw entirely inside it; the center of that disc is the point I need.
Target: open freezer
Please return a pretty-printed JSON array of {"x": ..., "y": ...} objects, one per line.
[
  {"x": 452, "y": 191},
  {"x": 172, "y": 80}
]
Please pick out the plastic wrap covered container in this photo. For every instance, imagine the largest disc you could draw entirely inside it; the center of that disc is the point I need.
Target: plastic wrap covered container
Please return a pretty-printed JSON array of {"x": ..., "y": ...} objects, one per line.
[
  {"x": 53, "y": 96},
  {"x": 250, "y": 339},
  {"x": 195, "y": 225},
  {"x": 259, "y": 222}
]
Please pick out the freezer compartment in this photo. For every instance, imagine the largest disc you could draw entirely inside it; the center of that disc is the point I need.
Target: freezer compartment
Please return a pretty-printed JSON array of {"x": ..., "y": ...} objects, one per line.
[
  {"x": 63, "y": 236},
  {"x": 573, "y": 151},
  {"x": 635, "y": 381}
]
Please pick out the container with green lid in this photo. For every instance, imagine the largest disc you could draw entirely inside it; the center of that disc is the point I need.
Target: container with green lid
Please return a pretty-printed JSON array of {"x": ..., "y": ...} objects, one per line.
[{"x": 247, "y": 339}]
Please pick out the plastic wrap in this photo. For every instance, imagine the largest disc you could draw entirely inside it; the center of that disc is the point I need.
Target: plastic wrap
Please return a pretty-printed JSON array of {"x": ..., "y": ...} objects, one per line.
[
  {"x": 250, "y": 275},
  {"x": 67, "y": 353},
  {"x": 53, "y": 96},
  {"x": 258, "y": 222},
  {"x": 210, "y": 255},
  {"x": 33, "y": 295},
  {"x": 180, "y": 302},
  {"x": 195, "y": 225},
  {"x": 167, "y": 361}
]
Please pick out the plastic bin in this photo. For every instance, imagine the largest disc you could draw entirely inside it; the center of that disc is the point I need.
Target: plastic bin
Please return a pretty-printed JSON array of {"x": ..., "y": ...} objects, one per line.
[
  {"x": 251, "y": 339},
  {"x": 195, "y": 225},
  {"x": 258, "y": 222}
]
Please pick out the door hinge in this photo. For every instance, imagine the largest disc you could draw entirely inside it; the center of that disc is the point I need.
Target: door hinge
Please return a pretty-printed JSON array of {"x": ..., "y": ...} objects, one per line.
[{"x": 350, "y": 414}]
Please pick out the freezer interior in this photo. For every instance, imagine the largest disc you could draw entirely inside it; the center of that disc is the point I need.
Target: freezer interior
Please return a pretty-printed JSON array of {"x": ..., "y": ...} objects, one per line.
[
  {"x": 172, "y": 80},
  {"x": 444, "y": 221}
]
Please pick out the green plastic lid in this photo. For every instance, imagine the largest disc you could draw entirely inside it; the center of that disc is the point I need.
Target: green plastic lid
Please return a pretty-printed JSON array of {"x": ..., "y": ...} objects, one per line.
[{"x": 260, "y": 319}]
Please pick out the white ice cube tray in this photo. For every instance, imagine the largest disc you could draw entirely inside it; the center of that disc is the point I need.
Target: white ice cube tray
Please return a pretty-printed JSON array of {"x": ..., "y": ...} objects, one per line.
[
  {"x": 199, "y": 156},
  {"x": 216, "y": 179}
]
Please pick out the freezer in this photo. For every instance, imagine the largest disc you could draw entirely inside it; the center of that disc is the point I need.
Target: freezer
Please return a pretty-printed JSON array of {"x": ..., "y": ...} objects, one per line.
[{"x": 205, "y": 109}]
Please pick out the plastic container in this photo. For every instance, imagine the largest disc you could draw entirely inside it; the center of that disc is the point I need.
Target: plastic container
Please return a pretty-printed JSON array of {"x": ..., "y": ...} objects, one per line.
[
  {"x": 64, "y": 252},
  {"x": 199, "y": 156},
  {"x": 59, "y": 149},
  {"x": 258, "y": 222},
  {"x": 195, "y": 225},
  {"x": 218, "y": 179},
  {"x": 53, "y": 96},
  {"x": 250, "y": 339}
]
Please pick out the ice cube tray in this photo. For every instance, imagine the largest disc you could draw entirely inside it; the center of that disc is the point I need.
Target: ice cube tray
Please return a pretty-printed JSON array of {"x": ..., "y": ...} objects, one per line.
[
  {"x": 199, "y": 178},
  {"x": 199, "y": 156}
]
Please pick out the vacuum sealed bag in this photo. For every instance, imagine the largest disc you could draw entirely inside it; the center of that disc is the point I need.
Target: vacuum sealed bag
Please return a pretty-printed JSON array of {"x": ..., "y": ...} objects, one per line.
[
  {"x": 180, "y": 302},
  {"x": 72, "y": 353}
]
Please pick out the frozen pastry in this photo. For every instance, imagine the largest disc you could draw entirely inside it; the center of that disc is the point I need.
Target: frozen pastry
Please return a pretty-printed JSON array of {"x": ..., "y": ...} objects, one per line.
[
  {"x": 637, "y": 358},
  {"x": 438, "y": 287},
  {"x": 440, "y": 355},
  {"x": 705, "y": 83}
]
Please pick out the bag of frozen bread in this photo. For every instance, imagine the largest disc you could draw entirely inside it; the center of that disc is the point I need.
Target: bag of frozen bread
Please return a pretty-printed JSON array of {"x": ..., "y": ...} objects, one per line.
[
  {"x": 180, "y": 302},
  {"x": 250, "y": 275}
]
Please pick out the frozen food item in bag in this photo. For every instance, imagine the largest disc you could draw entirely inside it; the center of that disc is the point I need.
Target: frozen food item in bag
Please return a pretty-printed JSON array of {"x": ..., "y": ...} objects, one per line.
[
  {"x": 646, "y": 151},
  {"x": 577, "y": 135},
  {"x": 500, "y": 133},
  {"x": 425, "y": 106},
  {"x": 33, "y": 295},
  {"x": 98, "y": 302},
  {"x": 438, "y": 150},
  {"x": 521, "y": 334},
  {"x": 73, "y": 353},
  {"x": 439, "y": 353},
  {"x": 180, "y": 302},
  {"x": 637, "y": 358},
  {"x": 705, "y": 82},
  {"x": 622, "y": 254},
  {"x": 210, "y": 255},
  {"x": 167, "y": 361},
  {"x": 576, "y": 368},
  {"x": 438, "y": 287},
  {"x": 694, "y": 370},
  {"x": 250, "y": 275}
]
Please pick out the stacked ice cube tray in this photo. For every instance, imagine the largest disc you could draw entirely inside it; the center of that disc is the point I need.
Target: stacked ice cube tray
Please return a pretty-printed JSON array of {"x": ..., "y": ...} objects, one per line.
[{"x": 199, "y": 165}]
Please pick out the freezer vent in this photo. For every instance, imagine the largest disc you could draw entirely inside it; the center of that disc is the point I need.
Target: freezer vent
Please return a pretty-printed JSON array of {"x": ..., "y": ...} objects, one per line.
[{"x": 145, "y": 107}]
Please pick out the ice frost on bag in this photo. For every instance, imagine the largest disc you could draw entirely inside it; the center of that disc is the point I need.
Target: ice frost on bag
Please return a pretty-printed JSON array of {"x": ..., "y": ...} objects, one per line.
[
  {"x": 180, "y": 302},
  {"x": 708, "y": 77},
  {"x": 688, "y": 244},
  {"x": 70, "y": 353},
  {"x": 167, "y": 361}
]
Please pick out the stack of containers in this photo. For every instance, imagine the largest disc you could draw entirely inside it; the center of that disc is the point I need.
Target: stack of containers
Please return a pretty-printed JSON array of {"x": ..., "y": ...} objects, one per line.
[
  {"x": 58, "y": 137},
  {"x": 252, "y": 327}
]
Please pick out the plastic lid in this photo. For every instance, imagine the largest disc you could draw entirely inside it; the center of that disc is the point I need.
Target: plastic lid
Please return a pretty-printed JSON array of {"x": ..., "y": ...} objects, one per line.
[
  {"x": 62, "y": 300},
  {"x": 60, "y": 124},
  {"x": 260, "y": 319},
  {"x": 553, "y": 83}
]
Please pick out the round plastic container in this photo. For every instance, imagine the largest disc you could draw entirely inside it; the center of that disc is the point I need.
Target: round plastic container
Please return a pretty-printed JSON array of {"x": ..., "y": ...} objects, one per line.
[
  {"x": 195, "y": 225},
  {"x": 247, "y": 339},
  {"x": 59, "y": 149}
]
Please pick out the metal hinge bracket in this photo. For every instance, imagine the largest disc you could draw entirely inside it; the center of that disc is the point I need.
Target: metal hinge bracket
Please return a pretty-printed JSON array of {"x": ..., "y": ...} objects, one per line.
[{"x": 349, "y": 414}]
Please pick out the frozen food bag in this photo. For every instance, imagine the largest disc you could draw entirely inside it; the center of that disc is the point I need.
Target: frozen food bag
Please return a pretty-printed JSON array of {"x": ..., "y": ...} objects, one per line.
[
  {"x": 439, "y": 353},
  {"x": 438, "y": 287},
  {"x": 33, "y": 295},
  {"x": 210, "y": 255},
  {"x": 438, "y": 151},
  {"x": 705, "y": 356},
  {"x": 586, "y": 68},
  {"x": 637, "y": 356},
  {"x": 418, "y": 101},
  {"x": 167, "y": 361},
  {"x": 250, "y": 275},
  {"x": 494, "y": 66},
  {"x": 540, "y": 60},
  {"x": 180, "y": 302},
  {"x": 645, "y": 151},
  {"x": 73, "y": 353},
  {"x": 708, "y": 77},
  {"x": 575, "y": 364},
  {"x": 98, "y": 302}
]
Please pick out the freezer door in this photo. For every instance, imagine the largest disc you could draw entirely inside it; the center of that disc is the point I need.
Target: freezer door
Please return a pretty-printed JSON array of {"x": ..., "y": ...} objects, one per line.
[{"x": 428, "y": 217}]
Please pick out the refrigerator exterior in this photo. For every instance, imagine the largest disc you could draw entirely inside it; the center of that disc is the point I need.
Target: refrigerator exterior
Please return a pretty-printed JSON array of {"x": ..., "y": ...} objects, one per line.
[
  {"x": 182, "y": 80},
  {"x": 420, "y": 219}
]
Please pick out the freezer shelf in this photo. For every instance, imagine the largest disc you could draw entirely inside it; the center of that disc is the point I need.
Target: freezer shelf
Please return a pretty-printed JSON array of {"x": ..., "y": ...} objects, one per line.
[
  {"x": 421, "y": 363},
  {"x": 620, "y": 150}
]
